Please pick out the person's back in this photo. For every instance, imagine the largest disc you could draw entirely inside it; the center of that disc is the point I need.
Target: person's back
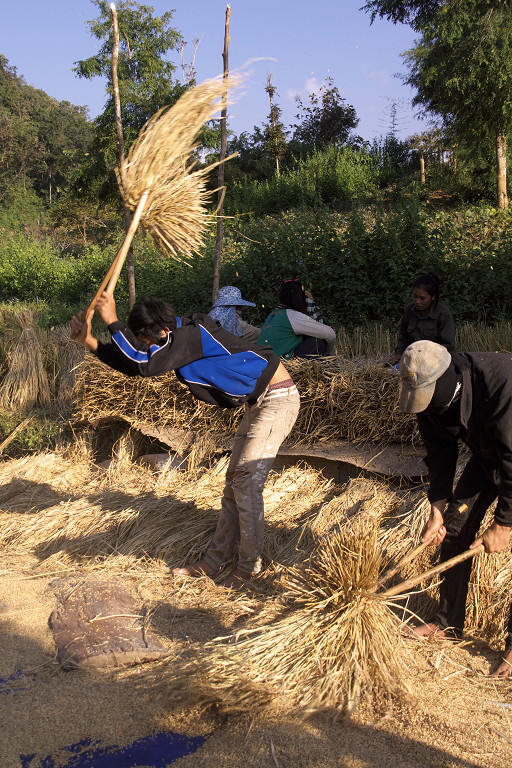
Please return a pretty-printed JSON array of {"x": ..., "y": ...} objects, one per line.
[
  {"x": 218, "y": 368},
  {"x": 290, "y": 331}
]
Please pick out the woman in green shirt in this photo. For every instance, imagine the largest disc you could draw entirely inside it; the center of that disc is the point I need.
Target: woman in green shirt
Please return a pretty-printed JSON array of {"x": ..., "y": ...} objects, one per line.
[{"x": 290, "y": 331}]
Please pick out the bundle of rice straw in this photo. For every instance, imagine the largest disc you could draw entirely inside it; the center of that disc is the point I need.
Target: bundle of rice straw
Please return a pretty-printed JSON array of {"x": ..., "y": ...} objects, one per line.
[
  {"x": 162, "y": 160},
  {"x": 340, "y": 400},
  {"x": 63, "y": 356},
  {"x": 338, "y": 640},
  {"x": 26, "y": 381}
]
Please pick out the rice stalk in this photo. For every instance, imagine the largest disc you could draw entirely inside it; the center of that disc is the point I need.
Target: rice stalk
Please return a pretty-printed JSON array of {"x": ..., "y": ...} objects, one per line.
[
  {"x": 25, "y": 382},
  {"x": 337, "y": 642},
  {"x": 340, "y": 400},
  {"x": 162, "y": 160}
]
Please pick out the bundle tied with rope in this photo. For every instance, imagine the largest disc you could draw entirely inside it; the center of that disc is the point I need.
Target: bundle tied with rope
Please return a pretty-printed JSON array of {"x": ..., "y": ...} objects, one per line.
[
  {"x": 159, "y": 180},
  {"x": 338, "y": 641}
]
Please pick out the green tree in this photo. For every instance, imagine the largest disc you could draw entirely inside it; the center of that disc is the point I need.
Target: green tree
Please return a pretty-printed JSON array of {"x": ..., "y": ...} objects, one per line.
[
  {"x": 146, "y": 80},
  {"x": 412, "y": 12},
  {"x": 40, "y": 138},
  {"x": 462, "y": 69},
  {"x": 275, "y": 135},
  {"x": 326, "y": 120}
]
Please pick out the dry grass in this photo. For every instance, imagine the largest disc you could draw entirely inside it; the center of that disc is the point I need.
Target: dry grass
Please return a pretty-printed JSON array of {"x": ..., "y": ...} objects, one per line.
[
  {"x": 351, "y": 400},
  {"x": 336, "y": 641},
  {"x": 25, "y": 382},
  {"x": 321, "y": 639},
  {"x": 162, "y": 160},
  {"x": 376, "y": 342}
]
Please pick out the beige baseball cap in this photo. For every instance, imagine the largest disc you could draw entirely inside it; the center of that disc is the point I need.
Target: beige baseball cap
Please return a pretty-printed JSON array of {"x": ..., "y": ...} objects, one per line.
[{"x": 421, "y": 365}]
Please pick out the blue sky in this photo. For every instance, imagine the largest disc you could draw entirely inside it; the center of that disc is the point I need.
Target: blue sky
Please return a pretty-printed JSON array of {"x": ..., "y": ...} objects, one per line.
[{"x": 300, "y": 43}]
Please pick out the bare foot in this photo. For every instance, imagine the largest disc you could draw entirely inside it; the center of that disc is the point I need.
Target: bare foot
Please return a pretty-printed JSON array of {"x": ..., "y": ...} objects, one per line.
[
  {"x": 505, "y": 668},
  {"x": 237, "y": 579},
  {"x": 427, "y": 630},
  {"x": 199, "y": 568}
]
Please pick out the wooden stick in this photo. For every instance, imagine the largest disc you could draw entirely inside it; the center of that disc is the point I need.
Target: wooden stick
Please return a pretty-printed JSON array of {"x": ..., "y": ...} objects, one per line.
[
  {"x": 123, "y": 251},
  {"x": 404, "y": 560},
  {"x": 15, "y": 431},
  {"x": 405, "y": 585},
  {"x": 414, "y": 552},
  {"x": 112, "y": 276}
]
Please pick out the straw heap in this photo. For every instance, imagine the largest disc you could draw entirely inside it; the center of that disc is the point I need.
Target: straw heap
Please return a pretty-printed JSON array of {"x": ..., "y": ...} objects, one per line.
[
  {"x": 26, "y": 381},
  {"x": 338, "y": 639},
  {"x": 352, "y": 400},
  {"x": 162, "y": 160},
  {"x": 324, "y": 640}
]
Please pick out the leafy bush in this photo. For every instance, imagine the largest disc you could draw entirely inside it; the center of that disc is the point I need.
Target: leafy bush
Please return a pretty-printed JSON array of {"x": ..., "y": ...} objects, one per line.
[
  {"x": 359, "y": 266},
  {"x": 330, "y": 177}
]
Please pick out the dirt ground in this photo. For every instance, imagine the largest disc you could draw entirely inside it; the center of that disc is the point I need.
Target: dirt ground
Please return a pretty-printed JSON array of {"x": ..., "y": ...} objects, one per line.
[{"x": 460, "y": 717}]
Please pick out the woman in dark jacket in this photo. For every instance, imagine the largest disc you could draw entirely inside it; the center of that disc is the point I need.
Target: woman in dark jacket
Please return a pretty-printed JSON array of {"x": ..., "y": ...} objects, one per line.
[{"x": 425, "y": 318}]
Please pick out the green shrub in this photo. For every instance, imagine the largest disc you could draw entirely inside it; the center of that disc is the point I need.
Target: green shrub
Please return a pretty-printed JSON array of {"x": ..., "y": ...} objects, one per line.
[{"x": 327, "y": 178}]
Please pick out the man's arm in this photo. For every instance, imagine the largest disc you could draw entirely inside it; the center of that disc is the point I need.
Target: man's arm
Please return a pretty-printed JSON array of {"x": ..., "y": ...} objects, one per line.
[{"x": 81, "y": 330}]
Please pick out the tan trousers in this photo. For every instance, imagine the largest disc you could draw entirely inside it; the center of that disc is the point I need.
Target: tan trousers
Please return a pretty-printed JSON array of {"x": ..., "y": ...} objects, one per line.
[{"x": 257, "y": 442}]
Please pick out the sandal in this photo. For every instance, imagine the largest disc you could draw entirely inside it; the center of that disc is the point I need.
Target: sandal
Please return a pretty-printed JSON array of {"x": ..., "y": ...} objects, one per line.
[{"x": 199, "y": 568}]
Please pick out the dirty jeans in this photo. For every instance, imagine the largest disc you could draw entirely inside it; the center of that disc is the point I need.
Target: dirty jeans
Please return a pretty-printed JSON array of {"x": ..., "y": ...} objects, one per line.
[
  {"x": 477, "y": 487},
  {"x": 257, "y": 442}
]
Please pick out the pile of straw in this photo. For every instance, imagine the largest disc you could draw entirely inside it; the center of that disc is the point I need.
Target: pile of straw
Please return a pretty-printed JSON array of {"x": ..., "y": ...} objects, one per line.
[
  {"x": 25, "y": 382},
  {"x": 326, "y": 639},
  {"x": 336, "y": 641},
  {"x": 352, "y": 400},
  {"x": 162, "y": 160}
]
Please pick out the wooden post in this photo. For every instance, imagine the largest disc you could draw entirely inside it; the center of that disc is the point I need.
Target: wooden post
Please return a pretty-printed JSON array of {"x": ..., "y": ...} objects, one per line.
[
  {"x": 501, "y": 170},
  {"x": 130, "y": 261},
  {"x": 222, "y": 157}
]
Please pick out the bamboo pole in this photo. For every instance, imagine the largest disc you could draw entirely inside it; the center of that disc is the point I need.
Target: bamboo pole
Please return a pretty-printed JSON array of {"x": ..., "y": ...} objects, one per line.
[
  {"x": 109, "y": 281},
  {"x": 404, "y": 560},
  {"x": 416, "y": 551},
  {"x": 130, "y": 261},
  {"x": 405, "y": 585},
  {"x": 220, "y": 175}
]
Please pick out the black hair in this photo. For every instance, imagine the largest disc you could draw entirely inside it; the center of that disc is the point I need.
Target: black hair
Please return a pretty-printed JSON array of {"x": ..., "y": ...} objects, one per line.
[
  {"x": 150, "y": 316},
  {"x": 429, "y": 283},
  {"x": 291, "y": 294}
]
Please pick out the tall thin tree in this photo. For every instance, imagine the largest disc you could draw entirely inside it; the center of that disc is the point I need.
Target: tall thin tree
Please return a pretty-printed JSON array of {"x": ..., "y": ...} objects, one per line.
[
  {"x": 130, "y": 259},
  {"x": 222, "y": 156}
]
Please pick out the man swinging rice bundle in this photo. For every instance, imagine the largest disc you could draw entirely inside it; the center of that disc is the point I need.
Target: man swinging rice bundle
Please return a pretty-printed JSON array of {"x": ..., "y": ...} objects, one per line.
[{"x": 216, "y": 366}]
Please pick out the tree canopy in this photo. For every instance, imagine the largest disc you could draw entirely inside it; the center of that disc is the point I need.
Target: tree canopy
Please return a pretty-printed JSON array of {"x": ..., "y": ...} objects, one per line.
[
  {"x": 461, "y": 69},
  {"x": 326, "y": 120},
  {"x": 146, "y": 76},
  {"x": 41, "y": 139},
  {"x": 412, "y": 12}
]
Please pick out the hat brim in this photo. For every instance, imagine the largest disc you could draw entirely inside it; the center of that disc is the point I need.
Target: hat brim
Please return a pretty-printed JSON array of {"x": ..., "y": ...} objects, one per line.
[
  {"x": 415, "y": 399},
  {"x": 237, "y": 303}
]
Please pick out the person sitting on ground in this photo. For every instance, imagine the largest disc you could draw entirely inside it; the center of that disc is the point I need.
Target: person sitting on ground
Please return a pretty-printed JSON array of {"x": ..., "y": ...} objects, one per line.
[
  {"x": 425, "y": 318},
  {"x": 464, "y": 397},
  {"x": 290, "y": 331},
  {"x": 227, "y": 311},
  {"x": 217, "y": 368},
  {"x": 313, "y": 309}
]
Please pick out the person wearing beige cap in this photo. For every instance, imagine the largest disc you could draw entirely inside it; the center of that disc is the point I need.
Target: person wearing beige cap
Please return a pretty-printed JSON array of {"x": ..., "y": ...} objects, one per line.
[{"x": 464, "y": 397}]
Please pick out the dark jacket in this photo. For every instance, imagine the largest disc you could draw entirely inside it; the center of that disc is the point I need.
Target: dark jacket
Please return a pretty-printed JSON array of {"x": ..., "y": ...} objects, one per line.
[
  {"x": 484, "y": 424},
  {"x": 437, "y": 326},
  {"x": 216, "y": 366}
]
